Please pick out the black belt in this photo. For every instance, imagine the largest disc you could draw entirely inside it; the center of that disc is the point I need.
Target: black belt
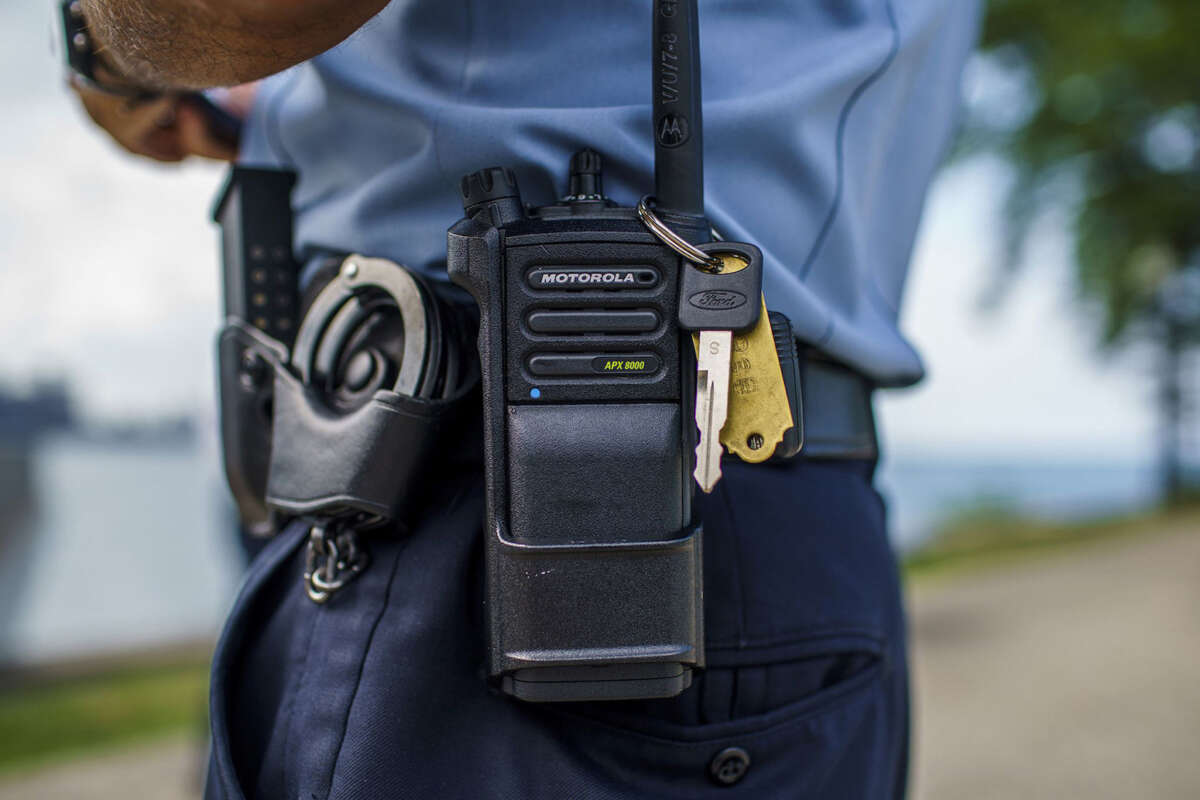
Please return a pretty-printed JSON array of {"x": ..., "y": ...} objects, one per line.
[
  {"x": 835, "y": 404},
  {"x": 839, "y": 422}
]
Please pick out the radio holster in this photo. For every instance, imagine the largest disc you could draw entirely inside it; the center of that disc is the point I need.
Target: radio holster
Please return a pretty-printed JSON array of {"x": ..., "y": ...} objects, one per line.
[
  {"x": 593, "y": 566},
  {"x": 593, "y": 560}
]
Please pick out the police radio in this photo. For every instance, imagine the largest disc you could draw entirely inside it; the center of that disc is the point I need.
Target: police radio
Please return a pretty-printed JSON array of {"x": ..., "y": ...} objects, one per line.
[{"x": 593, "y": 559}]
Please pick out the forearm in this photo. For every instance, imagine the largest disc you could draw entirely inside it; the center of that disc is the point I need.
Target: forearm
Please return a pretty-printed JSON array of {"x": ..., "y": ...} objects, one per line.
[{"x": 200, "y": 43}]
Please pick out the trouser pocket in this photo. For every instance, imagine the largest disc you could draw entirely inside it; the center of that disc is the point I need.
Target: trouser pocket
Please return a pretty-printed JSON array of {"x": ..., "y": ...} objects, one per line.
[
  {"x": 810, "y": 719},
  {"x": 239, "y": 738},
  {"x": 805, "y": 694}
]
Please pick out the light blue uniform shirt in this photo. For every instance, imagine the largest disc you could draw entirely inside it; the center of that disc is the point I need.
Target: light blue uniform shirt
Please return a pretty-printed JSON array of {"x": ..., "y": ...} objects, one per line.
[{"x": 824, "y": 121}]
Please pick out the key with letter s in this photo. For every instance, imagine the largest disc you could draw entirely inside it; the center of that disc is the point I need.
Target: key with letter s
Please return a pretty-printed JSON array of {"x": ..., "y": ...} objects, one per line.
[{"x": 717, "y": 303}]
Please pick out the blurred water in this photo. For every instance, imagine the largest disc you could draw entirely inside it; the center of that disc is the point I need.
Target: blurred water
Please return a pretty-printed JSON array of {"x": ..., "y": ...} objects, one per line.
[
  {"x": 126, "y": 547},
  {"x": 922, "y": 493},
  {"x": 133, "y": 546}
]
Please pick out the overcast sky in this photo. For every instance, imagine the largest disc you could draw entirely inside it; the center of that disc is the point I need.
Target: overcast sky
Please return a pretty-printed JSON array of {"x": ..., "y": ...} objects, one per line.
[{"x": 109, "y": 274}]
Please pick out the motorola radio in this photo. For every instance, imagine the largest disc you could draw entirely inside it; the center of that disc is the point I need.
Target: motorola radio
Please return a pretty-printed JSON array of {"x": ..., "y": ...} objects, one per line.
[{"x": 589, "y": 315}]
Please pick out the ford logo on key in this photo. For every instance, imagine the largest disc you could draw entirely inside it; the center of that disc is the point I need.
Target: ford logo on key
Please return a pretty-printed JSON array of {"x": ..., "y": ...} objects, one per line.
[{"x": 717, "y": 298}]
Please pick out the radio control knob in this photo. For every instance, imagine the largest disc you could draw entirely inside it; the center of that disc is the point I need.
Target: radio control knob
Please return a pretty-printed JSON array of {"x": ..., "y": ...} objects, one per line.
[
  {"x": 585, "y": 184},
  {"x": 494, "y": 185}
]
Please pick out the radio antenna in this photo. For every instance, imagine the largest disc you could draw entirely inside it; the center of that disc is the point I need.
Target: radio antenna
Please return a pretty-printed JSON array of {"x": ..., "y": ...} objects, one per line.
[{"x": 678, "y": 137}]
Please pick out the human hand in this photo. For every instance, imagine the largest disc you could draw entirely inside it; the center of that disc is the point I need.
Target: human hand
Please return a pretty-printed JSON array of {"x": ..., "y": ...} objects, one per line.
[{"x": 168, "y": 127}]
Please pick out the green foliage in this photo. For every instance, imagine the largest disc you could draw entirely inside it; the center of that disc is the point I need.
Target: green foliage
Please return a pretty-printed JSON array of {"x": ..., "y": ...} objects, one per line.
[
  {"x": 1104, "y": 126},
  {"x": 98, "y": 711}
]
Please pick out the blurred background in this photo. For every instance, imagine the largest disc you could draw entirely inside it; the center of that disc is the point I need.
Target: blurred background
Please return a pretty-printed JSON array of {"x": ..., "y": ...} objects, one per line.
[{"x": 1041, "y": 482}]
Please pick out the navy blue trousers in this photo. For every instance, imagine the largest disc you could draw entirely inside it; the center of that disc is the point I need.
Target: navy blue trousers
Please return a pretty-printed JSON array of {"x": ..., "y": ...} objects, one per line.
[{"x": 381, "y": 692}]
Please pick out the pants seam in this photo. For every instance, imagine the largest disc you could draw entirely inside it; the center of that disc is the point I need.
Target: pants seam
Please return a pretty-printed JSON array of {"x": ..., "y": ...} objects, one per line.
[{"x": 387, "y": 597}]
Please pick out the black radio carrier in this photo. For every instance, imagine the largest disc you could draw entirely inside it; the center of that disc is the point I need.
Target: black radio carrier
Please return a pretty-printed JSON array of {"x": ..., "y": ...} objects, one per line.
[{"x": 594, "y": 582}]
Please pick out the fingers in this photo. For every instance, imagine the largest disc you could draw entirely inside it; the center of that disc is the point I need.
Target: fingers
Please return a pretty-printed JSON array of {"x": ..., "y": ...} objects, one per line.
[
  {"x": 195, "y": 135},
  {"x": 165, "y": 129},
  {"x": 138, "y": 128},
  {"x": 146, "y": 129}
]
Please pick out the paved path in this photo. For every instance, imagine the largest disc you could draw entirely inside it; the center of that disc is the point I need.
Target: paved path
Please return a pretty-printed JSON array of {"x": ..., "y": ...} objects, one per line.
[
  {"x": 1076, "y": 676},
  {"x": 1073, "y": 677},
  {"x": 165, "y": 770}
]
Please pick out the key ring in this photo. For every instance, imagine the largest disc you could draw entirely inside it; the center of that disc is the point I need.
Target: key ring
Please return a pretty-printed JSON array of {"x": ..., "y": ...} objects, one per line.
[{"x": 673, "y": 240}]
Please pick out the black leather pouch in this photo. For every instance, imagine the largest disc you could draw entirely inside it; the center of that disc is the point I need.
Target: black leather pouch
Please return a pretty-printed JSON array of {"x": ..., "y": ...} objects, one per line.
[{"x": 370, "y": 464}]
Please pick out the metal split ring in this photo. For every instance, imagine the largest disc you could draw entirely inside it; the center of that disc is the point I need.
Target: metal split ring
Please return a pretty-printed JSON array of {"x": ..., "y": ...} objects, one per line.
[
  {"x": 672, "y": 239},
  {"x": 332, "y": 561}
]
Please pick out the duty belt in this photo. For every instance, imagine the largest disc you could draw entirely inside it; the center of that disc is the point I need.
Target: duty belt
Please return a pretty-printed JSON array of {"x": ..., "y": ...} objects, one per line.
[
  {"x": 835, "y": 418},
  {"x": 833, "y": 411},
  {"x": 836, "y": 409}
]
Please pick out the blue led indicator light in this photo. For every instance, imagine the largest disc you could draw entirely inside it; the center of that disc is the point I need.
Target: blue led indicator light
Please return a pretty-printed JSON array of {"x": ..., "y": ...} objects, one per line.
[{"x": 535, "y": 393}]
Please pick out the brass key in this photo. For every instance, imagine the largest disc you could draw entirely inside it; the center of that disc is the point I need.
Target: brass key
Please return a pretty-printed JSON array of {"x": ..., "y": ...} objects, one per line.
[{"x": 759, "y": 413}]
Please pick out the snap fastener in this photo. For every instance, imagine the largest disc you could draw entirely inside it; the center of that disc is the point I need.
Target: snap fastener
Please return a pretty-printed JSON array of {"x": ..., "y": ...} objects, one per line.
[{"x": 729, "y": 766}]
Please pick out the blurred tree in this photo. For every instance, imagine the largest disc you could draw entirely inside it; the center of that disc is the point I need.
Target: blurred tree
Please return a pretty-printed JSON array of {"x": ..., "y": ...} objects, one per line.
[{"x": 1096, "y": 110}]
